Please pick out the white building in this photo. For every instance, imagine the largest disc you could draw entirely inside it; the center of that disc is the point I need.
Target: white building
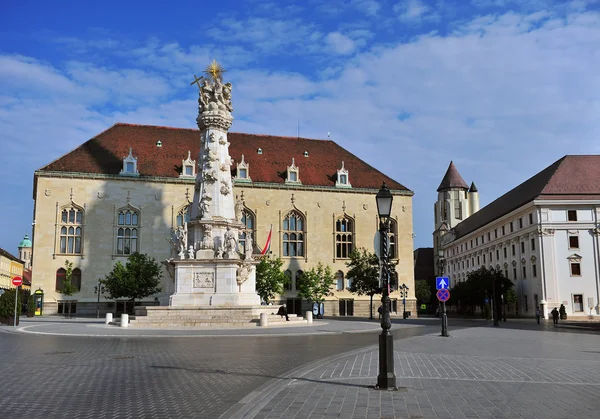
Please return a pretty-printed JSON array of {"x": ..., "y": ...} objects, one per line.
[{"x": 544, "y": 234}]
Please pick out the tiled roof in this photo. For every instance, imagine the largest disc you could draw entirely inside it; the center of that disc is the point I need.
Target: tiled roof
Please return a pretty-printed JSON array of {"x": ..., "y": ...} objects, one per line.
[
  {"x": 104, "y": 154},
  {"x": 452, "y": 179},
  {"x": 571, "y": 177},
  {"x": 27, "y": 277}
]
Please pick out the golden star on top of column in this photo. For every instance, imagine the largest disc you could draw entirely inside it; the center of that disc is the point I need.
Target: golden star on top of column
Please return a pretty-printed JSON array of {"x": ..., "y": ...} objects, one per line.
[{"x": 215, "y": 71}]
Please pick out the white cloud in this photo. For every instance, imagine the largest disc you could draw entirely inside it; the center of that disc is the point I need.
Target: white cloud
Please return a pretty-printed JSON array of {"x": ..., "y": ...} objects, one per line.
[
  {"x": 411, "y": 10},
  {"x": 339, "y": 43},
  {"x": 368, "y": 7}
]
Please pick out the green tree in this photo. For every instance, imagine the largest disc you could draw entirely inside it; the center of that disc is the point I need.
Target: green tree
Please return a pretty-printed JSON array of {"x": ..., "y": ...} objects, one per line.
[
  {"x": 316, "y": 283},
  {"x": 68, "y": 289},
  {"x": 364, "y": 271},
  {"x": 422, "y": 291},
  {"x": 139, "y": 278},
  {"x": 270, "y": 279}
]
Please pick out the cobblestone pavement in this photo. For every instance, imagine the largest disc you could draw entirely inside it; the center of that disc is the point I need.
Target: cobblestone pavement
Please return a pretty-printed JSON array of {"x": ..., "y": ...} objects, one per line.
[
  {"x": 66, "y": 376},
  {"x": 476, "y": 373}
]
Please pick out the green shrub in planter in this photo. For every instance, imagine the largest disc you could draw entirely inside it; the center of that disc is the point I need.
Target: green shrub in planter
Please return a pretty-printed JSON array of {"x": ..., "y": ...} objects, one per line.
[
  {"x": 7, "y": 306},
  {"x": 30, "y": 306}
]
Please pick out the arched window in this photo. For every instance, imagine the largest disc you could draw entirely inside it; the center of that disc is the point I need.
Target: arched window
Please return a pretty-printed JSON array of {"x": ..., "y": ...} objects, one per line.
[
  {"x": 71, "y": 221},
  {"x": 393, "y": 239},
  {"x": 127, "y": 231},
  {"x": 299, "y": 278},
  {"x": 76, "y": 279},
  {"x": 344, "y": 237},
  {"x": 183, "y": 215},
  {"x": 293, "y": 235},
  {"x": 288, "y": 285},
  {"x": 60, "y": 279},
  {"x": 339, "y": 277},
  {"x": 249, "y": 224}
]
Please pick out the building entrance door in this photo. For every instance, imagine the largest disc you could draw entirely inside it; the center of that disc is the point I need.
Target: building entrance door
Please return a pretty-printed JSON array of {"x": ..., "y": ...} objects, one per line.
[{"x": 577, "y": 302}]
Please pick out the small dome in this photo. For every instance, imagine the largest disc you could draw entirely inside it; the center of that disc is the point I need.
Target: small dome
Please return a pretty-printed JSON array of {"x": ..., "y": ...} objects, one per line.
[{"x": 25, "y": 242}]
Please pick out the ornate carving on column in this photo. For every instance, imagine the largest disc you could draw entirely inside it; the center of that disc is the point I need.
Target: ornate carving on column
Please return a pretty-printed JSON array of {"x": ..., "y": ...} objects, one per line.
[
  {"x": 596, "y": 231},
  {"x": 243, "y": 272}
]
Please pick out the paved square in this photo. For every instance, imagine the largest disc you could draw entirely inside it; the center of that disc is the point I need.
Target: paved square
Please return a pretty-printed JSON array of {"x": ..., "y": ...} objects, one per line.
[{"x": 475, "y": 373}]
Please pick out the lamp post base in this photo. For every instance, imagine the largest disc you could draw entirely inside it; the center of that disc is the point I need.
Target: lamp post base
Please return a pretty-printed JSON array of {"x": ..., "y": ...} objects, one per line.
[{"x": 386, "y": 380}]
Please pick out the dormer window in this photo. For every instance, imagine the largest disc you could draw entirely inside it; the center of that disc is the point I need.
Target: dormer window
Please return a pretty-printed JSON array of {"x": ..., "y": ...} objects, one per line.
[
  {"x": 188, "y": 167},
  {"x": 343, "y": 180},
  {"x": 243, "y": 171},
  {"x": 129, "y": 165},
  {"x": 259, "y": 151},
  {"x": 293, "y": 173},
  {"x": 306, "y": 154}
]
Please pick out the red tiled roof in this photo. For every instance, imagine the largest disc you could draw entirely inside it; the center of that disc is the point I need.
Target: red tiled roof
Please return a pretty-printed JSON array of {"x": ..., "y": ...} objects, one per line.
[
  {"x": 27, "y": 277},
  {"x": 571, "y": 177},
  {"x": 104, "y": 154},
  {"x": 452, "y": 179}
]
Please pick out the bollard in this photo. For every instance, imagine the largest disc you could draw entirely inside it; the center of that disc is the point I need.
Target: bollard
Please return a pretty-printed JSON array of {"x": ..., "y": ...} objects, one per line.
[
  {"x": 108, "y": 319},
  {"x": 309, "y": 315},
  {"x": 124, "y": 320},
  {"x": 263, "y": 320}
]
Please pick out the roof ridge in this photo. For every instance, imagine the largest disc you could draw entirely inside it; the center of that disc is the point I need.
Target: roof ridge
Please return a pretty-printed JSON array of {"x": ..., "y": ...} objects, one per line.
[
  {"x": 560, "y": 162},
  {"x": 127, "y": 124},
  {"x": 80, "y": 145}
]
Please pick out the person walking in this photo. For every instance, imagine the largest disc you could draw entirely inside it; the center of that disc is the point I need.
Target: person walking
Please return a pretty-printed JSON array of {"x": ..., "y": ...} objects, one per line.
[
  {"x": 555, "y": 316},
  {"x": 537, "y": 315}
]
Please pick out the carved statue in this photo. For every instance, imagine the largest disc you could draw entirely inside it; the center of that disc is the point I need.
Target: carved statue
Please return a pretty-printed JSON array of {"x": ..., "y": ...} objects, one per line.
[
  {"x": 227, "y": 97},
  {"x": 214, "y": 95},
  {"x": 182, "y": 240},
  {"x": 248, "y": 250},
  {"x": 207, "y": 242},
  {"x": 219, "y": 252},
  {"x": 239, "y": 209},
  {"x": 191, "y": 252},
  {"x": 230, "y": 243}
]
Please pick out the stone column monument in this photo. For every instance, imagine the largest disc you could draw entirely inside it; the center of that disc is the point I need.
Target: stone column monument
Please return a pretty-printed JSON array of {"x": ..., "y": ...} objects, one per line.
[{"x": 210, "y": 268}]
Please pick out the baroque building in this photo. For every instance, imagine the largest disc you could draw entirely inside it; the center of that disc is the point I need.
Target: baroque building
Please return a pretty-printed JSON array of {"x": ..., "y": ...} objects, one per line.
[
  {"x": 130, "y": 187},
  {"x": 543, "y": 235}
]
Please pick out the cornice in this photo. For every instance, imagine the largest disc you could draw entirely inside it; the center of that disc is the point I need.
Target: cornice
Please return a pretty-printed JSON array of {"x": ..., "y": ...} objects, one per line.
[{"x": 191, "y": 181}]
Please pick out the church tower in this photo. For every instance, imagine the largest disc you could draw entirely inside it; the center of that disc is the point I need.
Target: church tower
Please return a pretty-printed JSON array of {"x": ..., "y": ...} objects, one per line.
[
  {"x": 25, "y": 251},
  {"x": 455, "y": 202}
]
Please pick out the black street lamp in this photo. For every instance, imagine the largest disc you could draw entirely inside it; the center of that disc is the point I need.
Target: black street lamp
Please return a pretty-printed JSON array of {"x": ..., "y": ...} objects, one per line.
[
  {"x": 98, "y": 289},
  {"x": 386, "y": 378},
  {"x": 442, "y": 311},
  {"x": 403, "y": 293}
]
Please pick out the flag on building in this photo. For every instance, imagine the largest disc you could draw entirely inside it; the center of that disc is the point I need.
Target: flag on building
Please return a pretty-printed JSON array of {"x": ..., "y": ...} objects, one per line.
[{"x": 265, "y": 249}]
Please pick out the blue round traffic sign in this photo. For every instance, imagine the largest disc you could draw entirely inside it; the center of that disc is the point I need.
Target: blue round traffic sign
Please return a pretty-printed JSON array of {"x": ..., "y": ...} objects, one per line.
[{"x": 443, "y": 295}]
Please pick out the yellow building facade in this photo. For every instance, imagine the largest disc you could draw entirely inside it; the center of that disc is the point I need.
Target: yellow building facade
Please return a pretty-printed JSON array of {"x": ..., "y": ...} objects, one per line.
[
  {"x": 92, "y": 211},
  {"x": 10, "y": 266}
]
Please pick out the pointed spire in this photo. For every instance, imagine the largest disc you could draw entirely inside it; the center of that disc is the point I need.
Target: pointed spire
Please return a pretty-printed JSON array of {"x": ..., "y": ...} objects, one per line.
[
  {"x": 473, "y": 188},
  {"x": 452, "y": 179}
]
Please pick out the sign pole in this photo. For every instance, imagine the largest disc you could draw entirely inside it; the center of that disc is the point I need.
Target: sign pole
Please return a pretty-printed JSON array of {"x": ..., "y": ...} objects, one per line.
[
  {"x": 17, "y": 281},
  {"x": 16, "y": 299},
  {"x": 442, "y": 283}
]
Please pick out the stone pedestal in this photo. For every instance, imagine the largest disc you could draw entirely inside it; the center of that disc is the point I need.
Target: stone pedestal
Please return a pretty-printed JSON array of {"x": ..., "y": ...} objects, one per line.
[{"x": 212, "y": 282}]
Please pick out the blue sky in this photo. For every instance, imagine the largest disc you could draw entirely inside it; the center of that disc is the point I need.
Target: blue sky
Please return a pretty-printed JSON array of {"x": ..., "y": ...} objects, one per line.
[{"x": 502, "y": 88}]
